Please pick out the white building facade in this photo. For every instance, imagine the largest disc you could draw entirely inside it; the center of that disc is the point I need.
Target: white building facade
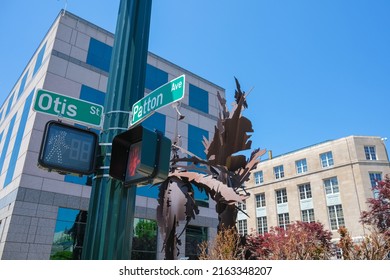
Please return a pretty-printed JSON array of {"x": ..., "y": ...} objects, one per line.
[
  {"x": 39, "y": 210},
  {"x": 328, "y": 183}
]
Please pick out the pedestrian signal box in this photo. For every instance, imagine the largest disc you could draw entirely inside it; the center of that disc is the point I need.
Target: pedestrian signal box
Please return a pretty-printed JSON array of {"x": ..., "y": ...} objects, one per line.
[
  {"x": 140, "y": 156},
  {"x": 68, "y": 149}
]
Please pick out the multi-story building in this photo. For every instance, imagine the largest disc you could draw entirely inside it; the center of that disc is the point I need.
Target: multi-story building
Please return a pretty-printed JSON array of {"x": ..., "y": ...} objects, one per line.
[
  {"x": 40, "y": 209},
  {"x": 329, "y": 182}
]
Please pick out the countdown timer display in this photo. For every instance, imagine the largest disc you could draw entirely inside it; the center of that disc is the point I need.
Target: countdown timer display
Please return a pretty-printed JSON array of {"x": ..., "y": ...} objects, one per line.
[{"x": 68, "y": 149}]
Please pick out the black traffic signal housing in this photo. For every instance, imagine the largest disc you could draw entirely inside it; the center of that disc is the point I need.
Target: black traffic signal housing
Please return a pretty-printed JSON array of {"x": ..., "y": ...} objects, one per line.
[
  {"x": 140, "y": 156},
  {"x": 68, "y": 149}
]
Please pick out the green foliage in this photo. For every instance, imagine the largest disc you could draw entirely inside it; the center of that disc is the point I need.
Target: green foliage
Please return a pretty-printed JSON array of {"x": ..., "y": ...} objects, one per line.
[{"x": 62, "y": 255}]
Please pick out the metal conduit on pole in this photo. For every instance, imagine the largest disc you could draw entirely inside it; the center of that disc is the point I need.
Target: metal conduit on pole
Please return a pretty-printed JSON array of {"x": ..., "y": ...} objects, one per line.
[{"x": 111, "y": 210}]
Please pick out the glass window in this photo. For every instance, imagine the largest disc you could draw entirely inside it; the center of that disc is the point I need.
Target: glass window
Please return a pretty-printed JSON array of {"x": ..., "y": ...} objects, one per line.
[
  {"x": 155, "y": 121},
  {"x": 22, "y": 84},
  {"x": 99, "y": 54},
  {"x": 7, "y": 139},
  {"x": 195, "y": 140},
  {"x": 92, "y": 95},
  {"x": 38, "y": 62},
  {"x": 326, "y": 159},
  {"x": 69, "y": 234},
  {"x": 198, "y": 98},
  {"x": 242, "y": 205},
  {"x": 195, "y": 146},
  {"x": 243, "y": 227},
  {"x": 305, "y": 191},
  {"x": 308, "y": 216},
  {"x": 279, "y": 172},
  {"x": 301, "y": 166},
  {"x": 144, "y": 246},
  {"x": 370, "y": 152},
  {"x": 375, "y": 177},
  {"x": 331, "y": 185},
  {"x": 336, "y": 216},
  {"x": 259, "y": 177},
  {"x": 195, "y": 235},
  {"x": 154, "y": 77},
  {"x": 283, "y": 220},
  {"x": 11, "y": 98},
  {"x": 262, "y": 226},
  {"x": 260, "y": 200},
  {"x": 281, "y": 196},
  {"x": 18, "y": 140}
]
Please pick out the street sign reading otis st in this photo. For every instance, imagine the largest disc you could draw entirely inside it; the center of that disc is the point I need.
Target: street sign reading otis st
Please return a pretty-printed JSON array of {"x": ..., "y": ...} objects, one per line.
[
  {"x": 166, "y": 94},
  {"x": 63, "y": 106}
]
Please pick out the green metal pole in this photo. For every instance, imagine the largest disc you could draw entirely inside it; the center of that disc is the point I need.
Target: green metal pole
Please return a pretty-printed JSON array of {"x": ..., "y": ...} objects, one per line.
[{"x": 111, "y": 210}]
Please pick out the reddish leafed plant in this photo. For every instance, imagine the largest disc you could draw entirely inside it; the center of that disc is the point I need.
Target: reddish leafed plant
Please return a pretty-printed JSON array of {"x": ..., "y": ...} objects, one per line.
[
  {"x": 378, "y": 215},
  {"x": 301, "y": 241}
]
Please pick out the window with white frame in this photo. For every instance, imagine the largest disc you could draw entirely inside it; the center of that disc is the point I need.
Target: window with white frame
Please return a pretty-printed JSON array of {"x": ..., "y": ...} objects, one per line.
[
  {"x": 259, "y": 179},
  {"x": 242, "y": 205},
  {"x": 242, "y": 227},
  {"x": 283, "y": 220},
  {"x": 308, "y": 215},
  {"x": 260, "y": 200},
  {"x": 281, "y": 196},
  {"x": 301, "y": 166},
  {"x": 331, "y": 185},
  {"x": 375, "y": 177},
  {"x": 326, "y": 159},
  {"x": 370, "y": 152},
  {"x": 262, "y": 226},
  {"x": 305, "y": 191},
  {"x": 336, "y": 216},
  {"x": 279, "y": 172}
]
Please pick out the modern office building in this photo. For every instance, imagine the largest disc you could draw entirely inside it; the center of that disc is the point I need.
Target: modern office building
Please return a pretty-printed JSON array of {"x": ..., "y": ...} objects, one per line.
[
  {"x": 40, "y": 210},
  {"x": 329, "y": 182}
]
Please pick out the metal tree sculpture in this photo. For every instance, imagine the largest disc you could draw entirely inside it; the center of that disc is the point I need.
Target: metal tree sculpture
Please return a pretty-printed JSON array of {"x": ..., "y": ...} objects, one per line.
[{"x": 222, "y": 175}]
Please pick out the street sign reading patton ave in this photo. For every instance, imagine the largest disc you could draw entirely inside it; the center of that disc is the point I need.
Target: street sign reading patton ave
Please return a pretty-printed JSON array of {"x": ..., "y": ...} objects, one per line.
[
  {"x": 63, "y": 106},
  {"x": 166, "y": 94}
]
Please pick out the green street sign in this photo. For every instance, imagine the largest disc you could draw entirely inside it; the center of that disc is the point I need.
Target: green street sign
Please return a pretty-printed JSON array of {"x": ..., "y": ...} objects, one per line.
[
  {"x": 166, "y": 94},
  {"x": 67, "y": 107}
]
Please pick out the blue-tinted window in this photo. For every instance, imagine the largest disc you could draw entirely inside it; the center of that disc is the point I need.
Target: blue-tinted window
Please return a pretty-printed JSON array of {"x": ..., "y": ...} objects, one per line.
[
  {"x": 148, "y": 191},
  {"x": 1, "y": 136},
  {"x": 198, "y": 98},
  {"x": 22, "y": 84},
  {"x": 195, "y": 146},
  {"x": 69, "y": 234},
  {"x": 99, "y": 54},
  {"x": 11, "y": 98},
  {"x": 195, "y": 140},
  {"x": 38, "y": 62},
  {"x": 18, "y": 140},
  {"x": 1, "y": 115},
  {"x": 92, "y": 95},
  {"x": 155, "y": 121},
  {"x": 154, "y": 77},
  {"x": 6, "y": 142}
]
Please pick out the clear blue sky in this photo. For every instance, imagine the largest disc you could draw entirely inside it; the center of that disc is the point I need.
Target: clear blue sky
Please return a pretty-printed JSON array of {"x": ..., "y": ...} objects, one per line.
[{"x": 319, "y": 69}]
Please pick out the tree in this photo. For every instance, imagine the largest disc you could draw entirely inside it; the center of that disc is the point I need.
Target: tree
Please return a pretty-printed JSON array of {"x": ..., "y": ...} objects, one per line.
[
  {"x": 301, "y": 241},
  {"x": 378, "y": 214},
  {"x": 374, "y": 246},
  {"x": 221, "y": 175},
  {"x": 227, "y": 245}
]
